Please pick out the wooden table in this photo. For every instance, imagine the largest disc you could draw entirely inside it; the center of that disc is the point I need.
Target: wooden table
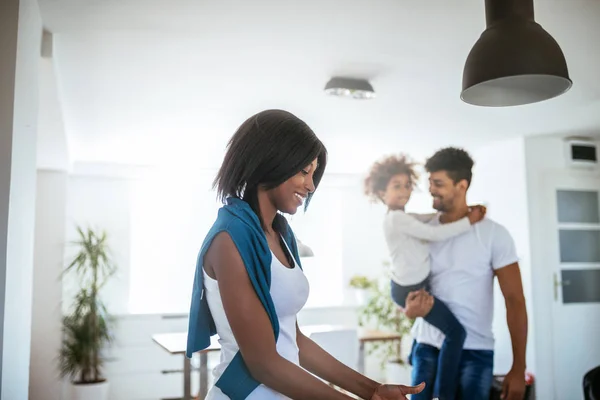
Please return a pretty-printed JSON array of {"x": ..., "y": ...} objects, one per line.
[
  {"x": 176, "y": 343},
  {"x": 370, "y": 335}
]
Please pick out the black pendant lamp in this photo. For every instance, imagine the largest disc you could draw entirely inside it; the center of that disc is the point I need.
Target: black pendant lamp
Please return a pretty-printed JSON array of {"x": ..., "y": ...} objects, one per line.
[{"x": 515, "y": 61}]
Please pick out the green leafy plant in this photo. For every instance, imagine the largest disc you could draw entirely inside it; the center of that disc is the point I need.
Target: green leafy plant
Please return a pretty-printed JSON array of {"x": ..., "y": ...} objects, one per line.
[
  {"x": 380, "y": 312},
  {"x": 361, "y": 282},
  {"x": 86, "y": 330}
]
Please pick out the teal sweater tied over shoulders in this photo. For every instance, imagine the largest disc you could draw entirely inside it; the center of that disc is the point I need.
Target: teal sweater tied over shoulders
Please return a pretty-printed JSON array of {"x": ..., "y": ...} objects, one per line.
[{"x": 238, "y": 219}]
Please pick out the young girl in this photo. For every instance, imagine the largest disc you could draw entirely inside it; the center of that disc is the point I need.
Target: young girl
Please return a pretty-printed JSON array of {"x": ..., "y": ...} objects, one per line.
[
  {"x": 249, "y": 285},
  {"x": 391, "y": 181}
]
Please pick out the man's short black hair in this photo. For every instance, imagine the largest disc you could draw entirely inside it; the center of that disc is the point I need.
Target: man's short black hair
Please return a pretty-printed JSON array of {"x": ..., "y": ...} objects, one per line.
[{"x": 456, "y": 162}]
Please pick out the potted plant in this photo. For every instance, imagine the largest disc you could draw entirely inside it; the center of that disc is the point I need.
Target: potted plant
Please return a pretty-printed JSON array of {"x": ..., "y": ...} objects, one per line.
[
  {"x": 86, "y": 329},
  {"x": 361, "y": 285},
  {"x": 380, "y": 312}
]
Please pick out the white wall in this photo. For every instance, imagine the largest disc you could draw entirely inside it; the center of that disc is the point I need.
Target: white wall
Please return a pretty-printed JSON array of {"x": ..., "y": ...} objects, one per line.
[
  {"x": 52, "y": 147},
  {"x": 17, "y": 185},
  {"x": 47, "y": 287},
  {"x": 499, "y": 180},
  {"x": 52, "y": 164},
  {"x": 545, "y": 155},
  {"x": 542, "y": 154}
]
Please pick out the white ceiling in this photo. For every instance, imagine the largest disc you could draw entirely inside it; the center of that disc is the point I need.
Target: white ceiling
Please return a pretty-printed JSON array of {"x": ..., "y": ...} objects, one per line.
[{"x": 146, "y": 81}]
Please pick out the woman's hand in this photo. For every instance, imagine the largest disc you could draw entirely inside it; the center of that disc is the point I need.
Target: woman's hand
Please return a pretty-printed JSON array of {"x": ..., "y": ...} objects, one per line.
[{"x": 396, "y": 392}]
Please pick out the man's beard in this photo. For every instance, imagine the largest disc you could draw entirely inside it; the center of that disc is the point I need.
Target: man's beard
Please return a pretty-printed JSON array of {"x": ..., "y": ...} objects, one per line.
[
  {"x": 441, "y": 205},
  {"x": 440, "y": 208}
]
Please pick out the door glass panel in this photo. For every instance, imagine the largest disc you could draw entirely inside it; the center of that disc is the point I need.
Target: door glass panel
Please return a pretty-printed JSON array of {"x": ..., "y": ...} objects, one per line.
[
  {"x": 581, "y": 286},
  {"x": 577, "y": 206},
  {"x": 579, "y": 246}
]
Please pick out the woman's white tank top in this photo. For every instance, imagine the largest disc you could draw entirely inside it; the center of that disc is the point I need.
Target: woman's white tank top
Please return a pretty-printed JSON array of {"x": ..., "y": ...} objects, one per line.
[{"x": 289, "y": 291}]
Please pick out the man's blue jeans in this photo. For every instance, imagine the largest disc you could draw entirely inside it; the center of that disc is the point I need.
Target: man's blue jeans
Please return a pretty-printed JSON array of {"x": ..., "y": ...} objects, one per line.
[{"x": 475, "y": 373}]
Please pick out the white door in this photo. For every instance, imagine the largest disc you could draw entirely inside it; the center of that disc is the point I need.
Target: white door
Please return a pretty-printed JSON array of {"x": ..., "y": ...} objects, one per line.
[{"x": 573, "y": 253}]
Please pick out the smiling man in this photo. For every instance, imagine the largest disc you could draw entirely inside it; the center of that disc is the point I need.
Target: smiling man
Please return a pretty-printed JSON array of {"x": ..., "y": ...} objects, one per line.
[{"x": 462, "y": 273}]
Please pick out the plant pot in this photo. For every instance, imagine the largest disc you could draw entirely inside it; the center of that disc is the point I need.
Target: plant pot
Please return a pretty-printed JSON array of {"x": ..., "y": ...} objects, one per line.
[
  {"x": 398, "y": 373},
  {"x": 89, "y": 391},
  {"x": 362, "y": 296}
]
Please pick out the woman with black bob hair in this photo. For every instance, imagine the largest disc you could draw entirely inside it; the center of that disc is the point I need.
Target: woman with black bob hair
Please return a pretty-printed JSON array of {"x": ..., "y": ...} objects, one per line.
[{"x": 249, "y": 285}]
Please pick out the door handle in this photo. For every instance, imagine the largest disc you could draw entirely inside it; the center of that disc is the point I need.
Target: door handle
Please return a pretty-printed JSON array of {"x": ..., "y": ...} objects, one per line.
[{"x": 557, "y": 284}]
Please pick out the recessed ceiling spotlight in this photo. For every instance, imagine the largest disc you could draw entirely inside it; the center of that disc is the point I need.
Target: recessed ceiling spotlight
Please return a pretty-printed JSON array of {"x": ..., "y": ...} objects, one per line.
[{"x": 350, "y": 87}]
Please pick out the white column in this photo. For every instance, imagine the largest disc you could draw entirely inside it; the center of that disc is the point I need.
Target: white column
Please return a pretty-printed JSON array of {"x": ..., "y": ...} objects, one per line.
[
  {"x": 20, "y": 37},
  {"x": 49, "y": 248}
]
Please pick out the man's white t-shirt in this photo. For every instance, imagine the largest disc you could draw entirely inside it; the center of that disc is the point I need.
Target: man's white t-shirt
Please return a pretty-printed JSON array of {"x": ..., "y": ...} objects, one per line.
[{"x": 462, "y": 274}]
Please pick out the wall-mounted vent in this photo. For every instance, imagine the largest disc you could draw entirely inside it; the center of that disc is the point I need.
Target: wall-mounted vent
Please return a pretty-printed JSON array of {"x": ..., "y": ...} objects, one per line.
[{"x": 582, "y": 152}]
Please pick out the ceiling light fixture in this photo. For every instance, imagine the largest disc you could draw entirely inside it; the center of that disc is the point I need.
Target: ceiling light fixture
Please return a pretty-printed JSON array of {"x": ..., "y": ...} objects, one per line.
[
  {"x": 350, "y": 87},
  {"x": 515, "y": 61}
]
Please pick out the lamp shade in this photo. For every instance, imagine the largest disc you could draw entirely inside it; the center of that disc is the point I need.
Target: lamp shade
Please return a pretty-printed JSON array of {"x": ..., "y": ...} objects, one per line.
[{"x": 515, "y": 61}]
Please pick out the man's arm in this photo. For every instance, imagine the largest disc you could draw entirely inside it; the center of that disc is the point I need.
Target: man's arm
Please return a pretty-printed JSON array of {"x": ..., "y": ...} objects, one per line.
[
  {"x": 427, "y": 218},
  {"x": 509, "y": 278}
]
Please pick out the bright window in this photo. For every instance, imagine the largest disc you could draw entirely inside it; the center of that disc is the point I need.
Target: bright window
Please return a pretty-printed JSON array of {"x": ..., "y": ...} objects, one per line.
[
  {"x": 320, "y": 228},
  {"x": 169, "y": 219},
  {"x": 170, "y": 216}
]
